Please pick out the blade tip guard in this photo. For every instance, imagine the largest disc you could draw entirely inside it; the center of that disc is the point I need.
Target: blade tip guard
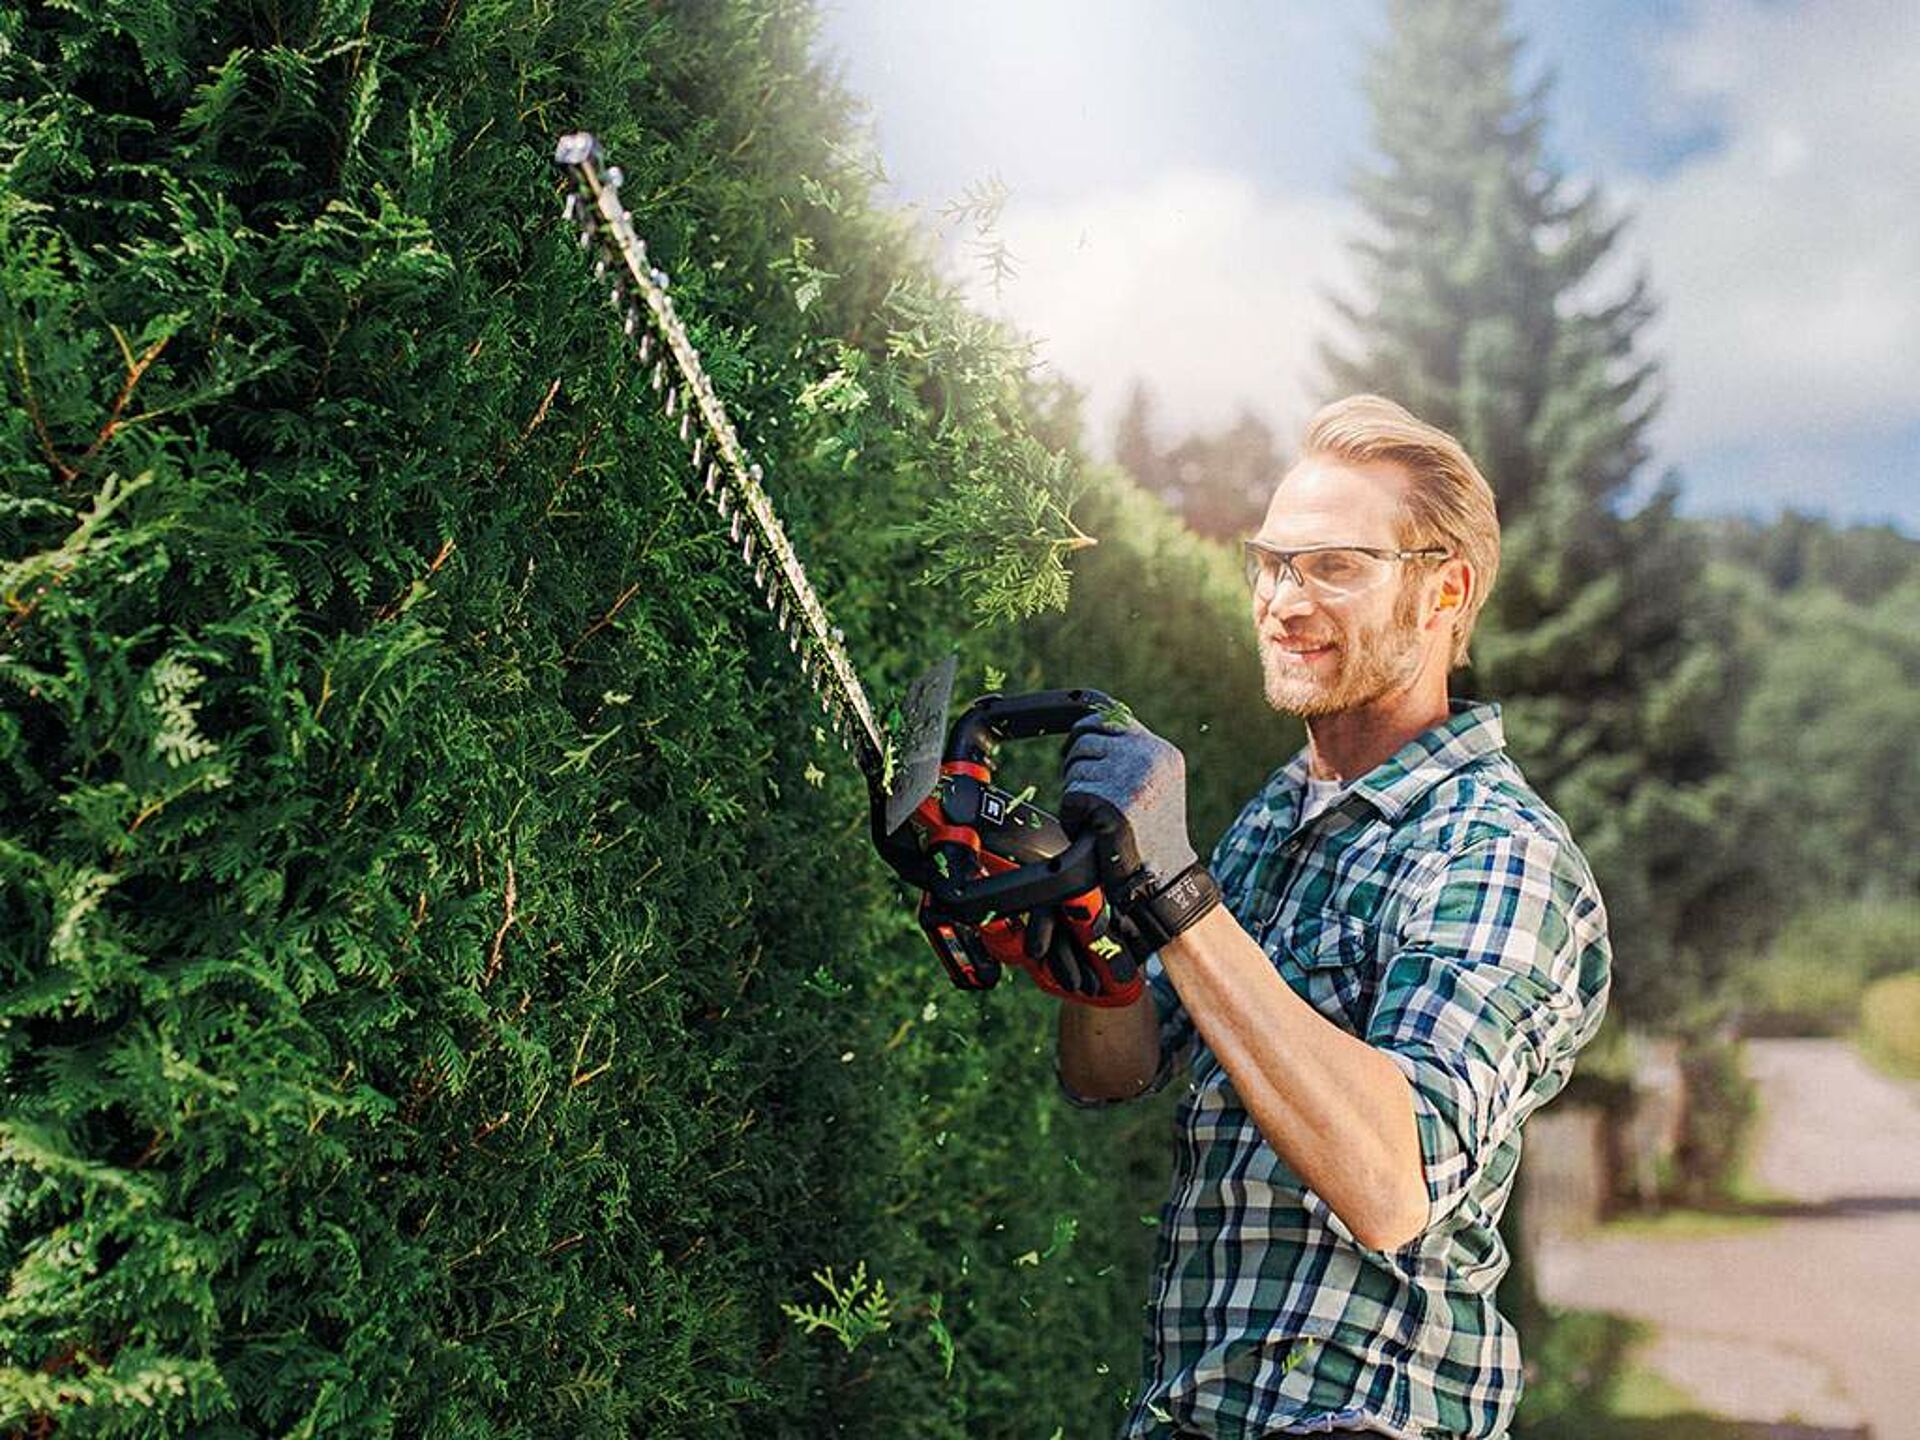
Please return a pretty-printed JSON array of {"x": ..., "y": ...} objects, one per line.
[
  {"x": 577, "y": 148},
  {"x": 923, "y": 732}
]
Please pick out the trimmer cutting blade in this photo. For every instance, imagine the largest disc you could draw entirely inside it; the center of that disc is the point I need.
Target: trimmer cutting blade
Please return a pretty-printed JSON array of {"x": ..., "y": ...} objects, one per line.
[{"x": 983, "y": 860}]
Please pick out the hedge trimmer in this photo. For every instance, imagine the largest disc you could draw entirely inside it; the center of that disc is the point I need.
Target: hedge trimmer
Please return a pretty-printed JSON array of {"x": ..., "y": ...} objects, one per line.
[{"x": 1001, "y": 881}]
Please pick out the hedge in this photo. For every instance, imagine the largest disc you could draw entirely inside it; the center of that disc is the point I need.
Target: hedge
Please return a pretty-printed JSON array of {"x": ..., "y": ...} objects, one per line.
[{"x": 445, "y": 988}]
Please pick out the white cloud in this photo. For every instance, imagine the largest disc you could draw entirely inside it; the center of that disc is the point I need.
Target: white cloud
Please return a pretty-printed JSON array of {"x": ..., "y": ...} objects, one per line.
[
  {"x": 1194, "y": 282},
  {"x": 1787, "y": 259}
]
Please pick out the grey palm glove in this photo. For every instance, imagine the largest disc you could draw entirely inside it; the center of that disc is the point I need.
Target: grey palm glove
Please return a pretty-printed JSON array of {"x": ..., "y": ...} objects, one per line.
[{"x": 1129, "y": 787}]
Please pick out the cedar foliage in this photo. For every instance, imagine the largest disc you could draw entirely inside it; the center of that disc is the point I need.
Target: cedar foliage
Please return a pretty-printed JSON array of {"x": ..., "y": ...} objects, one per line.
[{"x": 444, "y": 985}]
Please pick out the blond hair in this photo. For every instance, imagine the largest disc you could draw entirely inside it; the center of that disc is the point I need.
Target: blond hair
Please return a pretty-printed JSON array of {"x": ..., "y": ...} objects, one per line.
[{"x": 1449, "y": 504}]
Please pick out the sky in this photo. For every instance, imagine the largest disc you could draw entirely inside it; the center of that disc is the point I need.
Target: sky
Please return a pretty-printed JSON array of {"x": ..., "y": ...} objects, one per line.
[{"x": 1176, "y": 205}]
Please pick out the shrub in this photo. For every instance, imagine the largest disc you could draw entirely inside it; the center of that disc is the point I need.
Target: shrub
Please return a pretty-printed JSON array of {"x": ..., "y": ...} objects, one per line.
[
  {"x": 1811, "y": 980},
  {"x": 445, "y": 987},
  {"x": 1890, "y": 1022},
  {"x": 1716, "y": 1121}
]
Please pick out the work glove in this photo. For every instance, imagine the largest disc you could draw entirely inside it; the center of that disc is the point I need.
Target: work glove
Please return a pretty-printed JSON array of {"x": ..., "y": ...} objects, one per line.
[
  {"x": 1129, "y": 787},
  {"x": 1102, "y": 969}
]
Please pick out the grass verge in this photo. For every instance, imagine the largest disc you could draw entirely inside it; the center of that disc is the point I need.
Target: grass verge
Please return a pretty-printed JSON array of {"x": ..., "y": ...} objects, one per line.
[
  {"x": 1585, "y": 1383},
  {"x": 1889, "y": 1034}
]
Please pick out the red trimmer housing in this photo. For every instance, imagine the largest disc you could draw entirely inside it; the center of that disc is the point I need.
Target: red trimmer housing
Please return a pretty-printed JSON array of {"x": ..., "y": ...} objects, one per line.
[{"x": 1003, "y": 884}]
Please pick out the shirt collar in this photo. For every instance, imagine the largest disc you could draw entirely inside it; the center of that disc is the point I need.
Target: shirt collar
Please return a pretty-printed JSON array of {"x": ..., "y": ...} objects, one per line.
[{"x": 1470, "y": 731}]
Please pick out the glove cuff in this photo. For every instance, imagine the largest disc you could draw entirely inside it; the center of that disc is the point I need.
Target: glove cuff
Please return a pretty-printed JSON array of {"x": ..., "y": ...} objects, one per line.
[{"x": 1175, "y": 906}]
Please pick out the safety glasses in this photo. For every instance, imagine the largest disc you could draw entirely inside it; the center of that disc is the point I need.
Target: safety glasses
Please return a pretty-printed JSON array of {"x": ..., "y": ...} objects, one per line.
[{"x": 1329, "y": 572}]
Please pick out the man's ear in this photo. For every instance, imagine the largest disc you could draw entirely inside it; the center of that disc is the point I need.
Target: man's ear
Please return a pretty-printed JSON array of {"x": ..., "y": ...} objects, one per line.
[{"x": 1455, "y": 588}]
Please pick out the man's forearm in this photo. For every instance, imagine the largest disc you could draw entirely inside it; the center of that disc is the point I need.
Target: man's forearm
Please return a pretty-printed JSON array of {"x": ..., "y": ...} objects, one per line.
[
  {"x": 1336, "y": 1109},
  {"x": 1109, "y": 1053}
]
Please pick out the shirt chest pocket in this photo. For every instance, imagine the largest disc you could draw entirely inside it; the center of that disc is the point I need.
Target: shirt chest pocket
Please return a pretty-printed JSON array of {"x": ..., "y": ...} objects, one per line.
[{"x": 1329, "y": 960}]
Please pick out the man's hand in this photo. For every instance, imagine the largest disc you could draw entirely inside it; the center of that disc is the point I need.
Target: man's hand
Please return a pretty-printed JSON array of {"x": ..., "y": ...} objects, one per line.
[{"x": 1129, "y": 787}]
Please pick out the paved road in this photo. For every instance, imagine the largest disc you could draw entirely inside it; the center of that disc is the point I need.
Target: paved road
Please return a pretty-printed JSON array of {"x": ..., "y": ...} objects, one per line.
[{"x": 1815, "y": 1317}]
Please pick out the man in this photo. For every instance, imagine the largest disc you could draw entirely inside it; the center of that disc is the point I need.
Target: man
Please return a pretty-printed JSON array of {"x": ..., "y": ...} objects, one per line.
[{"x": 1410, "y": 952}]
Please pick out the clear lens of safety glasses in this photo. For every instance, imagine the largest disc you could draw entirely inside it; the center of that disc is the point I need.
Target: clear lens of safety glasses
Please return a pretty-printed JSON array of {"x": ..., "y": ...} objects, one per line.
[{"x": 1329, "y": 572}]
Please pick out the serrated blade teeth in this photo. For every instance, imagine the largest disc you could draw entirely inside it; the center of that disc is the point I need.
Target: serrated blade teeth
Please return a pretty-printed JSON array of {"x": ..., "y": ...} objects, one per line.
[{"x": 638, "y": 290}]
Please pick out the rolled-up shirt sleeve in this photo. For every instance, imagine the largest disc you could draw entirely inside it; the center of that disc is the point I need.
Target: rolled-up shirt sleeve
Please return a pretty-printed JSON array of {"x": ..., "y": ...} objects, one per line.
[{"x": 1498, "y": 977}]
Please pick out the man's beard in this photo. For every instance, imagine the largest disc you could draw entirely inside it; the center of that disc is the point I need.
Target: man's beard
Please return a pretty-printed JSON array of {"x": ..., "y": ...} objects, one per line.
[{"x": 1373, "y": 661}]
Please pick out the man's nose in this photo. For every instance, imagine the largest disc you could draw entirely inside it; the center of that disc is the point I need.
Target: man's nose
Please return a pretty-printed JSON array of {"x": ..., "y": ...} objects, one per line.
[{"x": 1285, "y": 597}]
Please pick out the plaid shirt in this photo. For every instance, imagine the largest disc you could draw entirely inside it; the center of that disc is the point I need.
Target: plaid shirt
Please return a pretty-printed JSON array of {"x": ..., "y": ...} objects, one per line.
[{"x": 1440, "y": 911}]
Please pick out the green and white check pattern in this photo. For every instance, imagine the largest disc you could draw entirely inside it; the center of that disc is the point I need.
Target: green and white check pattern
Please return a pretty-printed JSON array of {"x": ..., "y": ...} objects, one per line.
[{"x": 1439, "y": 910}]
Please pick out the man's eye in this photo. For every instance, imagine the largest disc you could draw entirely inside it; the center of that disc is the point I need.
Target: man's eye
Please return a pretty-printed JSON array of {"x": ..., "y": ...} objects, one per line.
[{"x": 1337, "y": 567}]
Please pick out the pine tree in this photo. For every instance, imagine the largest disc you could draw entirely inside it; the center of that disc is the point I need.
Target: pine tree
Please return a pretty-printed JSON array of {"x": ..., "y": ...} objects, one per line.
[
  {"x": 1489, "y": 311},
  {"x": 1224, "y": 478},
  {"x": 1135, "y": 446}
]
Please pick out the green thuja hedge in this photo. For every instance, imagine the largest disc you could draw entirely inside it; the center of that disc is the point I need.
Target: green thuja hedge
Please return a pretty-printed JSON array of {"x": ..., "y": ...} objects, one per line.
[{"x": 445, "y": 988}]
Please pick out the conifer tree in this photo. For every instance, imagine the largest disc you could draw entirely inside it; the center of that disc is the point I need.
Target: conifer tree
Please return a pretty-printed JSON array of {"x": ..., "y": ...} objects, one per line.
[
  {"x": 1218, "y": 482},
  {"x": 1136, "y": 449},
  {"x": 1488, "y": 310}
]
